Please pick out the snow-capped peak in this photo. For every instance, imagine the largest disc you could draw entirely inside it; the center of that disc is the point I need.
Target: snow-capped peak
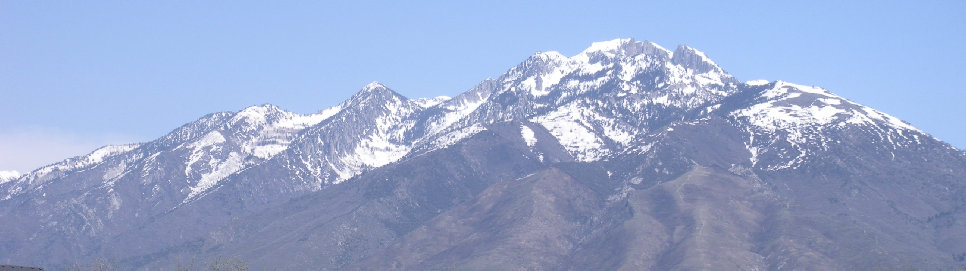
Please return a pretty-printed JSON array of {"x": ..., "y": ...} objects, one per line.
[
  {"x": 271, "y": 117},
  {"x": 259, "y": 114},
  {"x": 551, "y": 55},
  {"x": 9, "y": 175},
  {"x": 276, "y": 127},
  {"x": 621, "y": 47},
  {"x": 607, "y": 46},
  {"x": 377, "y": 93},
  {"x": 374, "y": 86},
  {"x": 802, "y": 113}
]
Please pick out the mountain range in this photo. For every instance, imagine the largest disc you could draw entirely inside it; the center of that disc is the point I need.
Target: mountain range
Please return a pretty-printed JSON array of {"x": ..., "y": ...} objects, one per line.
[{"x": 626, "y": 156}]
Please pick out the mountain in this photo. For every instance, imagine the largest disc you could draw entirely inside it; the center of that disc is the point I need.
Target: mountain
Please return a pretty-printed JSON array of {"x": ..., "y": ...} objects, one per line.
[
  {"x": 625, "y": 156},
  {"x": 6, "y": 176}
]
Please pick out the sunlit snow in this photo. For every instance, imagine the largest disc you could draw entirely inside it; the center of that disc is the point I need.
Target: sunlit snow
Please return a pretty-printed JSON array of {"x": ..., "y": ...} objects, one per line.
[
  {"x": 758, "y": 82},
  {"x": 528, "y": 136},
  {"x": 430, "y": 102},
  {"x": 551, "y": 83},
  {"x": 95, "y": 157},
  {"x": 567, "y": 126},
  {"x": 221, "y": 169},
  {"x": 8, "y": 175}
]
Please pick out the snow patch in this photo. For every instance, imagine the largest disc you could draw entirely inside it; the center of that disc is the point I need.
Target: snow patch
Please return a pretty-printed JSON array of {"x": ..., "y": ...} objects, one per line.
[
  {"x": 108, "y": 151},
  {"x": 830, "y": 101},
  {"x": 222, "y": 169},
  {"x": 458, "y": 110},
  {"x": 115, "y": 172},
  {"x": 115, "y": 203},
  {"x": 528, "y": 136},
  {"x": 888, "y": 119},
  {"x": 759, "y": 82},
  {"x": 268, "y": 151},
  {"x": 800, "y": 114},
  {"x": 384, "y": 145},
  {"x": 450, "y": 138},
  {"x": 430, "y": 102},
  {"x": 211, "y": 138},
  {"x": 785, "y": 87},
  {"x": 708, "y": 78},
  {"x": 606, "y": 46},
  {"x": 540, "y": 85},
  {"x": 276, "y": 128},
  {"x": 372, "y": 152},
  {"x": 589, "y": 69},
  {"x": 774, "y": 117},
  {"x": 296, "y": 121},
  {"x": 95, "y": 157},
  {"x": 9, "y": 175},
  {"x": 210, "y": 141},
  {"x": 567, "y": 124}
]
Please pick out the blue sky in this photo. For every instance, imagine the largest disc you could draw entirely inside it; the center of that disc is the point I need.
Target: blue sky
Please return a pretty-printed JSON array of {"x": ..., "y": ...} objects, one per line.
[{"x": 76, "y": 75}]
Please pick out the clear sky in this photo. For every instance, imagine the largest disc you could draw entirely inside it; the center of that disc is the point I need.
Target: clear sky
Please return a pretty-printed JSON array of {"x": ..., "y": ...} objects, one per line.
[{"x": 75, "y": 75}]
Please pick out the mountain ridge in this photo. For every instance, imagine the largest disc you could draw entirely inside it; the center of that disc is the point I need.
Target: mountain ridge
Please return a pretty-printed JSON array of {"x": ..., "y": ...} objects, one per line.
[{"x": 641, "y": 117}]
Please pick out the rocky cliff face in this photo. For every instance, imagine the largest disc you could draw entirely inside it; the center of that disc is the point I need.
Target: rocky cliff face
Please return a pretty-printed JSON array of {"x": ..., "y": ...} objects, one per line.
[{"x": 624, "y": 156}]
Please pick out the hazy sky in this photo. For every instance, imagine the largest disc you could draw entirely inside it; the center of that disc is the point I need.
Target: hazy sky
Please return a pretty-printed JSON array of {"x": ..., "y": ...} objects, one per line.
[{"x": 75, "y": 75}]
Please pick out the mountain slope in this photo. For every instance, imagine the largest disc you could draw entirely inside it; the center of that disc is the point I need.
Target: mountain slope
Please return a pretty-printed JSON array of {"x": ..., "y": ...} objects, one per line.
[{"x": 364, "y": 214}]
